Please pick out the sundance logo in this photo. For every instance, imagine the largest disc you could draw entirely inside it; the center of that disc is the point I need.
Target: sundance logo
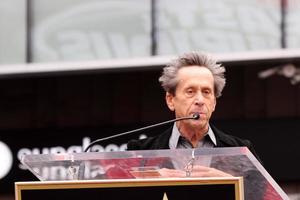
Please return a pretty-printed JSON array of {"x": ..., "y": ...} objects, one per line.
[{"x": 6, "y": 160}]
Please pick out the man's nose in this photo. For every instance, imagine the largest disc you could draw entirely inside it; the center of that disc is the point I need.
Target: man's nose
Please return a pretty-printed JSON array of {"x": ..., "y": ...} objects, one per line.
[{"x": 199, "y": 99}]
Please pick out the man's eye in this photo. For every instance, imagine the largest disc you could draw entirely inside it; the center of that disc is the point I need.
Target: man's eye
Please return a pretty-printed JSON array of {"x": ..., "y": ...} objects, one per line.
[
  {"x": 190, "y": 92},
  {"x": 206, "y": 92}
]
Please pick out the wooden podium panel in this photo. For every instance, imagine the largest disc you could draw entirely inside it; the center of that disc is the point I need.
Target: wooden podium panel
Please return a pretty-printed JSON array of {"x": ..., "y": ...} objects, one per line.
[{"x": 229, "y": 188}]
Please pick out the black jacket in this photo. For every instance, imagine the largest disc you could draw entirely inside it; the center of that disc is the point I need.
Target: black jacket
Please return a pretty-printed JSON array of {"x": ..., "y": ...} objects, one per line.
[
  {"x": 162, "y": 141},
  {"x": 252, "y": 178}
]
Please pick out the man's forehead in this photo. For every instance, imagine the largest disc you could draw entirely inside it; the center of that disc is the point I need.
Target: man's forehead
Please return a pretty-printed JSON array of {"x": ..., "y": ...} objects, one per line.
[{"x": 195, "y": 72}]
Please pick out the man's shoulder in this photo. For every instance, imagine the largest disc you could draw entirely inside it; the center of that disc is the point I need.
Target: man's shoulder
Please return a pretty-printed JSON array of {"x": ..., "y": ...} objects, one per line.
[
  {"x": 142, "y": 144},
  {"x": 160, "y": 141},
  {"x": 227, "y": 140}
]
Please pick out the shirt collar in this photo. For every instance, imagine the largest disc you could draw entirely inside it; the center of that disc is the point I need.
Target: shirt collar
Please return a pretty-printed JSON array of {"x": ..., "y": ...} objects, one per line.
[{"x": 174, "y": 139}]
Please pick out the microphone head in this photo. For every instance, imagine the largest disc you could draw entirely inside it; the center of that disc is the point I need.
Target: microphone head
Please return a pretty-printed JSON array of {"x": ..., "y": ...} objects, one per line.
[{"x": 196, "y": 116}]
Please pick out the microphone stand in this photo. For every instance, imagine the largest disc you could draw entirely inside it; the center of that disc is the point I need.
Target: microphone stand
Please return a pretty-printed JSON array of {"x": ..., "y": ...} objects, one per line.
[{"x": 195, "y": 117}]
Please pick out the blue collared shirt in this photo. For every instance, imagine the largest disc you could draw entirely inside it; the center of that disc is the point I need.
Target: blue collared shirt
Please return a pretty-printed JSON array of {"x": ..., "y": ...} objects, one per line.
[{"x": 176, "y": 141}]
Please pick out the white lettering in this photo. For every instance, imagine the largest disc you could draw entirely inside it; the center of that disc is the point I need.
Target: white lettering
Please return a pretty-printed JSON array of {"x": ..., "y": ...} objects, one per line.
[
  {"x": 111, "y": 147},
  {"x": 97, "y": 148},
  {"x": 56, "y": 150},
  {"x": 63, "y": 173},
  {"x": 6, "y": 160}
]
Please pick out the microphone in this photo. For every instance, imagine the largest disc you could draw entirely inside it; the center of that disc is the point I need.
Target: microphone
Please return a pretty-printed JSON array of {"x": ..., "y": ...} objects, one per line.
[{"x": 195, "y": 116}]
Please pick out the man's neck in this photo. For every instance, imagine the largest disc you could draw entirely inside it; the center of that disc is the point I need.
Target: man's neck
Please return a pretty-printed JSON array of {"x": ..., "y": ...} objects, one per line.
[{"x": 192, "y": 134}]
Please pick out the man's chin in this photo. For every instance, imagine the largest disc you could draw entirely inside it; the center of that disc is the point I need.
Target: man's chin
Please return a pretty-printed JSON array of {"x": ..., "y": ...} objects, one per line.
[{"x": 197, "y": 124}]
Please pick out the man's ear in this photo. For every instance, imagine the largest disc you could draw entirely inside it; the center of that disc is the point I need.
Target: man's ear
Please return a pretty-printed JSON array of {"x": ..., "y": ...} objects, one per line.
[{"x": 169, "y": 101}]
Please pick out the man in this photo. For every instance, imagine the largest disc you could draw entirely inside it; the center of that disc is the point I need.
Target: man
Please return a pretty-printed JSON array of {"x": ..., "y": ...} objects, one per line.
[{"x": 192, "y": 83}]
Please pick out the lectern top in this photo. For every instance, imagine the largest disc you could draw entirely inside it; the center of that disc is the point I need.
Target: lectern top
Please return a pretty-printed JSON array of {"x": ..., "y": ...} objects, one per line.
[{"x": 202, "y": 162}]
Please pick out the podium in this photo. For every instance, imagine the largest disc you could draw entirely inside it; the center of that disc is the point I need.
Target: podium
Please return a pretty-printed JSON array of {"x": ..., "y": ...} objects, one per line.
[{"x": 205, "y": 173}]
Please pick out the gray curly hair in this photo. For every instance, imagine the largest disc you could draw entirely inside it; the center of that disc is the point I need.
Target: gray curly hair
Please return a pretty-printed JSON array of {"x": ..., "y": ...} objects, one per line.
[{"x": 169, "y": 81}]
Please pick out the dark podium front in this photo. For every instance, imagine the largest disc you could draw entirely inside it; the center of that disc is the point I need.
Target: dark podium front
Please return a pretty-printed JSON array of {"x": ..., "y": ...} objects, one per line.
[
  {"x": 230, "y": 188},
  {"x": 208, "y": 173}
]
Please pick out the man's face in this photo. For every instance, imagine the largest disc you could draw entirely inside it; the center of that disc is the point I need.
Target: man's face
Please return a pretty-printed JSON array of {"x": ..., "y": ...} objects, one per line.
[{"x": 194, "y": 93}]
